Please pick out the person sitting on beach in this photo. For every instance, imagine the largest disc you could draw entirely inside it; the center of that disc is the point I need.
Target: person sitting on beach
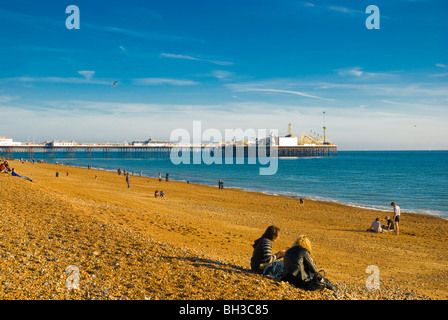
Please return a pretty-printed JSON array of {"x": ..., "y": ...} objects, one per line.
[
  {"x": 263, "y": 261},
  {"x": 376, "y": 226},
  {"x": 14, "y": 174},
  {"x": 2, "y": 168},
  {"x": 299, "y": 269},
  {"x": 156, "y": 194},
  {"x": 7, "y": 168},
  {"x": 162, "y": 194},
  {"x": 390, "y": 224}
]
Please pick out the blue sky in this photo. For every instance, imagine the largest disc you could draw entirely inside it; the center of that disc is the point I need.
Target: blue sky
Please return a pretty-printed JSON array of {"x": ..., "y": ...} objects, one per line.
[{"x": 230, "y": 64}]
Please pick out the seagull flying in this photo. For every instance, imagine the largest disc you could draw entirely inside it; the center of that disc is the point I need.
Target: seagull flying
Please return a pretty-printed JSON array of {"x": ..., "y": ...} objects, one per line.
[{"x": 113, "y": 85}]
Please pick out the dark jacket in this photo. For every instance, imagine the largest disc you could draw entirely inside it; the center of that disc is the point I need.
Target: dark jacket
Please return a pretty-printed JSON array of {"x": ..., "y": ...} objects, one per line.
[
  {"x": 298, "y": 266},
  {"x": 262, "y": 256}
]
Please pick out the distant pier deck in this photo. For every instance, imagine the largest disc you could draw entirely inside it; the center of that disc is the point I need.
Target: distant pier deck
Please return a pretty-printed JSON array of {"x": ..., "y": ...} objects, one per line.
[{"x": 131, "y": 151}]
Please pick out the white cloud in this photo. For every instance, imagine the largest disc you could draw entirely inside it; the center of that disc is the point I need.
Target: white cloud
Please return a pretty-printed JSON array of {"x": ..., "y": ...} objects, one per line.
[
  {"x": 439, "y": 75},
  {"x": 351, "y": 72},
  {"x": 221, "y": 74},
  {"x": 87, "y": 74},
  {"x": 245, "y": 88},
  {"x": 185, "y": 57},
  {"x": 160, "y": 81},
  {"x": 358, "y": 72},
  {"x": 135, "y": 33},
  {"x": 87, "y": 78},
  {"x": 344, "y": 10},
  {"x": 8, "y": 98}
]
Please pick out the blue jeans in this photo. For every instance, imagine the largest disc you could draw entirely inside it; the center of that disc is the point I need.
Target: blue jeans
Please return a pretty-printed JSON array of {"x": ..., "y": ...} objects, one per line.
[{"x": 275, "y": 270}]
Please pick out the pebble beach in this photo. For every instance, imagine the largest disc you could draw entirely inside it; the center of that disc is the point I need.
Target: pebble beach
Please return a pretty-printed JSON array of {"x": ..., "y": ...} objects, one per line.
[{"x": 84, "y": 235}]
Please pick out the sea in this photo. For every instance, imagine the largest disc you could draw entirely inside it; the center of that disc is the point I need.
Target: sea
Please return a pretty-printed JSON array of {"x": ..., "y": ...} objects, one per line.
[{"x": 416, "y": 180}]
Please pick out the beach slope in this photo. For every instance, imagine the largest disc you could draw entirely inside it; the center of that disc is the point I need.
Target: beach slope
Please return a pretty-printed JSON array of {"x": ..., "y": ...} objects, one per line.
[{"x": 86, "y": 235}]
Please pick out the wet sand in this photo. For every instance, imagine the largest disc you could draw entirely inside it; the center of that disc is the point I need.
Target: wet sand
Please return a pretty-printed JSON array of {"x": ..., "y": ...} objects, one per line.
[{"x": 196, "y": 243}]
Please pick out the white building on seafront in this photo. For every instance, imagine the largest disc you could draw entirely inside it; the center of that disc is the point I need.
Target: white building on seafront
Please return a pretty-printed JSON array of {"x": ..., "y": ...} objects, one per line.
[
  {"x": 7, "y": 141},
  {"x": 60, "y": 143}
]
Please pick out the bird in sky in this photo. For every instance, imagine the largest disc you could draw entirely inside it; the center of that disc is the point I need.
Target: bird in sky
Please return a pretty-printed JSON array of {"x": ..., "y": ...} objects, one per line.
[{"x": 113, "y": 85}]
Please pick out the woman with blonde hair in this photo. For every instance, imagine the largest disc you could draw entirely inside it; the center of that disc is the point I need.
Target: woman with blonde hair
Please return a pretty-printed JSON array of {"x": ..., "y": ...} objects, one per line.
[
  {"x": 299, "y": 269},
  {"x": 303, "y": 241}
]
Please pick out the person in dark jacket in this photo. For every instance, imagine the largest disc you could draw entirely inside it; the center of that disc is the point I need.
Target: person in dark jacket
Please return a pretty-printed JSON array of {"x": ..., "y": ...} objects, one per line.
[
  {"x": 298, "y": 267},
  {"x": 263, "y": 261}
]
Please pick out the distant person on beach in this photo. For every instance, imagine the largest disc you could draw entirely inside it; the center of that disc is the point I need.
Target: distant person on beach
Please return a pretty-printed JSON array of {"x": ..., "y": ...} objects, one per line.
[
  {"x": 376, "y": 226},
  {"x": 119, "y": 171},
  {"x": 156, "y": 194},
  {"x": 220, "y": 184},
  {"x": 128, "y": 179},
  {"x": 166, "y": 177},
  {"x": 390, "y": 224},
  {"x": 263, "y": 261},
  {"x": 396, "y": 218},
  {"x": 162, "y": 194},
  {"x": 160, "y": 176},
  {"x": 301, "y": 200},
  {"x": 14, "y": 174},
  {"x": 299, "y": 269}
]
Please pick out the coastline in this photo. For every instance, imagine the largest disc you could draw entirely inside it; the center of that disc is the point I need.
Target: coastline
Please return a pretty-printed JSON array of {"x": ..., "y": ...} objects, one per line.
[
  {"x": 380, "y": 209},
  {"x": 202, "y": 226}
]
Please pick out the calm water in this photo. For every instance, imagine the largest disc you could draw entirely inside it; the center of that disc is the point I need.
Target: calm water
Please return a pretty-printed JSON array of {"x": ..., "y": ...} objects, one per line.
[{"x": 416, "y": 180}]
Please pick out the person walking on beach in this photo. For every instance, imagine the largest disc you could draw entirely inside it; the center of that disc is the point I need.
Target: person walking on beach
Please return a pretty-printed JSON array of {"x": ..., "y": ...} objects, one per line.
[
  {"x": 166, "y": 177},
  {"x": 128, "y": 179},
  {"x": 299, "y": 269},
  {"x": 396, "y": 218},
  {"x": 263, "y": 261},
  {"x": 160, "y": 176}
]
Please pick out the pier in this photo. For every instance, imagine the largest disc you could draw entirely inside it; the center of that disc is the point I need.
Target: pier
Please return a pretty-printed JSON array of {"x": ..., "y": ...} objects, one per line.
[{"x": 157, "y": 151}]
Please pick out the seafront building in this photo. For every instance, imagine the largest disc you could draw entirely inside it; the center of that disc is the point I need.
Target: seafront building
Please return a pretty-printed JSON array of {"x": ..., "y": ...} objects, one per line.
[{"x": 8, "y": 142}]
